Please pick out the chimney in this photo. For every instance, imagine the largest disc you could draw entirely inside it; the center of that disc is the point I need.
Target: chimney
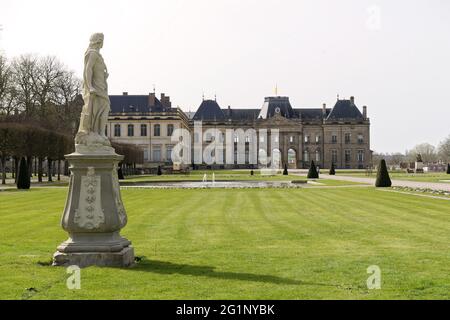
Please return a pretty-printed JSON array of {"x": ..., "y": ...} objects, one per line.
[
  {"x": 352, "y": 100},
  {"x": 165, "y": 101},
  {"x": 125, "y": 93},
  {"x": 365, "y": 112},
  {"x": 151, "y": 99},
  {"x": 324, "y": 109}
]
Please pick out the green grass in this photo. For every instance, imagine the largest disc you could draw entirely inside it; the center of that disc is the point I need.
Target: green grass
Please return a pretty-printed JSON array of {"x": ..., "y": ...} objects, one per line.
[{"x": 247, "y": 244}]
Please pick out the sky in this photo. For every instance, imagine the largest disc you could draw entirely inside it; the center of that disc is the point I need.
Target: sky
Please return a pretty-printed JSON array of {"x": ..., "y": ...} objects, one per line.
[{"x": 393, "y": 56}]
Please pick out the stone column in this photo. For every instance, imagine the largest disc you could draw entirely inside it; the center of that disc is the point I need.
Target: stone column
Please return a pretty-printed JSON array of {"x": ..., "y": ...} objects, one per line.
[{"x": 94, "y": 214}]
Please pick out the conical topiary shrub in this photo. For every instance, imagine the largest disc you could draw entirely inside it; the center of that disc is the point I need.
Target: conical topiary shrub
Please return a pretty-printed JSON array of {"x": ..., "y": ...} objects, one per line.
[
  {"x": 448, "y": 168},
  {"x": 312, "y": 173},
  {"x": 251, "y": 172},
  {"x": 120, "y": 173},
  {"x": 159, "y": 171},
  {"x": 23, "y": 177},
  {"x": 332, "y": 170},
  {"x": 383, "y": 180},
  {"x": 285, "y": 171}
]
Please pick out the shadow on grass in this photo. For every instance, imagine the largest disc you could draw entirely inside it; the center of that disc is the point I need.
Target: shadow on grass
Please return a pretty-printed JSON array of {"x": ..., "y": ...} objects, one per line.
[{"x": 163, "y": 267}]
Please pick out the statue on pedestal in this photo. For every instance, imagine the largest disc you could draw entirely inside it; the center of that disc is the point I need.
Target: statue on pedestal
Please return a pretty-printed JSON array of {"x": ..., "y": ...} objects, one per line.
[
  {"x": 94, "y": 116},
  {"x": 419, "y": 164},
  {"x": 94, "y": 213}
]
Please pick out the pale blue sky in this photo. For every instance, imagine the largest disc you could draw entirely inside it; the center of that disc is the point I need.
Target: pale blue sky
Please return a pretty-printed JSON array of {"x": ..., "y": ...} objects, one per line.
[{"x": 393, "y": 56}]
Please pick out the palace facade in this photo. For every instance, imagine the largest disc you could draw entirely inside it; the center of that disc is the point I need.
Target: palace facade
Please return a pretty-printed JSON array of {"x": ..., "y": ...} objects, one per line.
[{"x": 340, "y": 134}]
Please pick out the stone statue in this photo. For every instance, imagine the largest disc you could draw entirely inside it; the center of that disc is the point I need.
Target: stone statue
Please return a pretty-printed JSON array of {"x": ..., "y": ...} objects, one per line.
[
  {"x": 94, "y": 116},
  {"x": 419, "y": 158},
  {"x": 94, "y": 213}
]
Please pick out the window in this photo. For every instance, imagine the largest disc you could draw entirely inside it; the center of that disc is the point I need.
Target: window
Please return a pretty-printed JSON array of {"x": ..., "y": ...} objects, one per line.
[
  {"x": 169, "y": 129},
  {"x": 156, "y": 153},
  {"x": 360, "y": 155},
  {"x": 360, "y": 139},
  {"x": 169, "y": 153},
  {"x": 247, "y": 139},
  {"x": 347, "y": 156},
  {"x": 347, "y": 138},
  {"x": 143, "y": 130},
  {"x": 117, "y": 130},
  {"x": 317, "y": 139},
  {"x": 130, "y": 130},
  {"x": 305, "y": 156},
  {"x": 317, "y": 155},
  {"x": 146, "y": 155},
  {"x": 334, "y": 138},
  {"x": 334, "y": 157},
  {"x": 291, "y": 139},
  {"x": 157, "y": 130}
]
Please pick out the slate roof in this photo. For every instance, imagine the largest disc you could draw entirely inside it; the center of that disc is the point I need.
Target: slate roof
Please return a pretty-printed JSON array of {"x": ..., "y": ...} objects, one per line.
[
  {"x": 126, "y": 103},
  {"x": 344, "y": 109},
  {"x": 241, "y": 114},
  {"x": 209, "y": 110},
  {"x": 272, "y": 103},
  {"x": 312, "y": 113},
  {"x": 135, "y": 103}
]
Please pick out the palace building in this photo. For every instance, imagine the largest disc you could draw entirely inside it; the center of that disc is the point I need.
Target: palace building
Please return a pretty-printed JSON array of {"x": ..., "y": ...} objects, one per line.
[{"x": 340, "y": 134}]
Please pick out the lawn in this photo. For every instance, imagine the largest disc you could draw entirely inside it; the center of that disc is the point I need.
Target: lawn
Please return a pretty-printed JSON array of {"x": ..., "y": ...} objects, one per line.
[{"x": 249, "y": 244}]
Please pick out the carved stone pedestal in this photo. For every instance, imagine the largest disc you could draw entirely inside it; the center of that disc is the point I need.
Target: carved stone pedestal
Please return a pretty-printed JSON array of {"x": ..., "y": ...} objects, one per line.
[
  {"x": 94, "y": 214},
  {"x": 418, "y": 167}
]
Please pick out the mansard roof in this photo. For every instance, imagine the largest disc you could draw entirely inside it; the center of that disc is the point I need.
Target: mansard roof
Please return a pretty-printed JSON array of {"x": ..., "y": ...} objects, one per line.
[
  {"x": 129, "y": 103},
  {"x": 136, "y": 103},
  {"x": 345, "y": 109},
  {"x": 312, "y": 113},
  {"x": 209, "y": 110},
  {"x": 241, "y": 114},
  {"x": 273, "y": 104}
]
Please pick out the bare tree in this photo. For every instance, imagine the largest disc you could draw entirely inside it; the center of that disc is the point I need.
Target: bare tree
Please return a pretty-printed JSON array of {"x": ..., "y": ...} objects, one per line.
[
  {"x": 23, "y": 69},
  {"x": 426, "y": 150},
  {"x": 69, "y": 101},
  {"x": 7, "y": 91},
  {"x": 444, "y": 150},
  {"x": 45, "y": 77}
]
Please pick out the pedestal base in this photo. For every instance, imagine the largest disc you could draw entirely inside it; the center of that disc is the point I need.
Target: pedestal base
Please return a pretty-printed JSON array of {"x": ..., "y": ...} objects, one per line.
[
  {"x": 94, "y": 214},
  {"x": 124, "y": 258}
]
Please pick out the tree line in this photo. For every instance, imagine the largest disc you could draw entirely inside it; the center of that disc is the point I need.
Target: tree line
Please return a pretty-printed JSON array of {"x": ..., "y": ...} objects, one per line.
[
  {"x": 430, "y": 154},
  {"x": 40, "y": 106}
]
